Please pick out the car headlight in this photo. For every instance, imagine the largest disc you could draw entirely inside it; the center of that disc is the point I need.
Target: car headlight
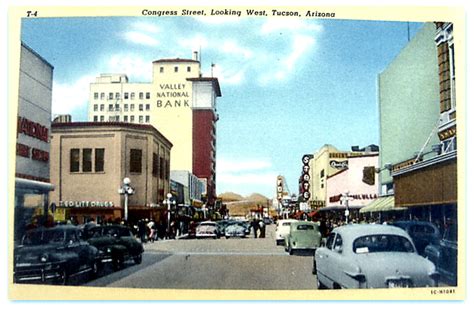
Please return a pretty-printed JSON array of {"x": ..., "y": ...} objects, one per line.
[
  {"x": 44, "y": 258},
  {"x": 108, "y": 250}
]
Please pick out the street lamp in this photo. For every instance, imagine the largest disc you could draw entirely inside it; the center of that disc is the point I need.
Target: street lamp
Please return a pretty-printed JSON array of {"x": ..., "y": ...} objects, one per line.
[
  {"x": 168, "y": 202},
  {"x": 126, "y": 190},
  {"x": 345, "y": 200}
]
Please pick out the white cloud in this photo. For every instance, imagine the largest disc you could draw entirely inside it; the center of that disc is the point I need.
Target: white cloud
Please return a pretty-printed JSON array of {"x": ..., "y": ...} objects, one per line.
[
  {"x": 134, "y": 66},
  {"x": 232, "y": 47},
  {"x": 140, "y": 38},
  {"x": 301, "y": 44},
  {"x": 195, "y": 43},
  {"x": 70, "y": 96},
  {"x": 228, "y": 75},
  {"x": 263, "y": 179},
  {"x": 146, "y": 27}
]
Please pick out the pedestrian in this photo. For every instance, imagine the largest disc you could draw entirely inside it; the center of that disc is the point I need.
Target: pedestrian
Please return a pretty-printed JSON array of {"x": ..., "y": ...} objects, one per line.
[
  {"x": 262, "y": 225},
  {"x": 151, "y": 228},
  {"x": 142, "y": 230},
  {"x": 255, "y": 227}
]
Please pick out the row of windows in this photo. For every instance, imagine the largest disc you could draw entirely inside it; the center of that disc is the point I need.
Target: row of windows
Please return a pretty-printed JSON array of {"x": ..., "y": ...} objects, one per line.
[
  {"x": 126, "y": 107},
  {"x": 126, "y": 95},
  {"x": 131, "y": 119},
  {"x": 94, "y": 158},
  {"x": 176, "y": 69}
]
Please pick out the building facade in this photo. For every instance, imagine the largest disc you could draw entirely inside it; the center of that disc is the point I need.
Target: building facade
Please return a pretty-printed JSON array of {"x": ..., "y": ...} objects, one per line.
[
  {"x": 89, "y": 161},
  {"x": 32, "y": 177},
  {"x": 179, "y": 102},
  {"x": 193, "y": 187}
]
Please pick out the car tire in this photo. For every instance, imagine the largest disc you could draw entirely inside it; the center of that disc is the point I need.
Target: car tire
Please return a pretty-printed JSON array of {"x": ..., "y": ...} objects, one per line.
[
  {"x": 138, "y": 259},
  {"x": 314, "y": 267},
  {"x": 320, "y": 285},
  {"x": 290, "y": 251},
  {"x": 94, "y": 270},
  {"x": 118, "y": 263},
  {"x": 63, "y": 276}
]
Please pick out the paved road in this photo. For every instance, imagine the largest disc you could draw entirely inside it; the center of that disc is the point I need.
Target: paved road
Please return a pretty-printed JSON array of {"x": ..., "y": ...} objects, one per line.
[{"x": 215, "y": 264}]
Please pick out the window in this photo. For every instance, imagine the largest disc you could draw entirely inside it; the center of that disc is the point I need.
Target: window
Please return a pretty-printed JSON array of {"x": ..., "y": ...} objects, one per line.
[
  {"x": 74, "y": 161},
  {"x": 132, "y": 95},
  {"x": 140, "y": 95},
  {"x": 135, "y": 161},
  {"x": 176, "y": 69},
  {"x": 125, "y": 118},
  {"x": 189, "y": 68},
  {"x": 111, "y": 118},
  {"x": 155, "y": 165},
  {"x": 147, "y": 119},
  {"x": 132, "y": 107},
  {"x": 147, "y": 95},
  {"x": 162, "y": 69},
  {"x": 99, "y": 160},
  {"x": 102, "y": 107},
  {"x": 162, "y": 165},
  {"x": 140, "y": 107},
  {"x": 87, "y": 160},
  {"x": 321, "y": 174},
  {"x": 111, "y": 95},
  {"x": 96, "y": 95},
  {"x": 111, "y": 107},
  {"x": 125, "y": 95},
  {"x": 147, "y": 107},
  {"x": 125, "y": 107},
  {"x": 140, "y": 119},
  {"x": 132, "y": 119},
  {"x": 96, "y": 118},
  {"x": 96, "y": 107},
  {"x": 117, "y": 107},
  {"x": 102, "y": 95},
  {"x": 101, "y": 118},
  {"x": 117, "y": 95},
  {"x": 330, "y": 240}
]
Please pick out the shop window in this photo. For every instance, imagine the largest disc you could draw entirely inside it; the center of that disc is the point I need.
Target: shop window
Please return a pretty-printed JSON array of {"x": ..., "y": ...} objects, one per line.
[
  {"x": 74, "y": 161},
  {"x": 99, "y": 160},
  {"x": 135, "y": 161},
  {"x": 87, "y": 160},
  {"x": 155, "y": 165}
]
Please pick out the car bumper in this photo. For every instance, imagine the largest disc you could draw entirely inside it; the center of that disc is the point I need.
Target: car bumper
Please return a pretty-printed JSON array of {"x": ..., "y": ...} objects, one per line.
[{"x": 40, "y": 273}]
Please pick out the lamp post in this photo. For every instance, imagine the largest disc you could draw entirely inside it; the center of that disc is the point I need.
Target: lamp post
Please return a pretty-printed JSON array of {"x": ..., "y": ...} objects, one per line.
[
  {"x": 126, "y": 190},
  {"x": 168, "y": 202}
]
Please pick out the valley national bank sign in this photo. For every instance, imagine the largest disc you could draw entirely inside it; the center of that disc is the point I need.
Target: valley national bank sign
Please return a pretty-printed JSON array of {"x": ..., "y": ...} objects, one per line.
[{"x": 172, "y": 96}]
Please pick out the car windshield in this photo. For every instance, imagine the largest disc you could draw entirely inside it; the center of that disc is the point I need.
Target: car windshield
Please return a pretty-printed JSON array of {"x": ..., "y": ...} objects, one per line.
[
  {"x": 382, "y": 243},
  {"x": 44, "y": 237},
  {"x": 304, "y": 227}
]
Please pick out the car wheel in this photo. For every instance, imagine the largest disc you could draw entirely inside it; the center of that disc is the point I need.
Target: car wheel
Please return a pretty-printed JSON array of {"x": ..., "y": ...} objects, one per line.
[
  {"x": 138, "y": 259},
  {"x": 314, "y": 267},
  {"x": 63, "y": 276},
  {"x": 290, "y": 251},
  {"x": 118, "y": 263},
  {"x": 320, "y": 285},
  {"x": 94, "y": 270}
]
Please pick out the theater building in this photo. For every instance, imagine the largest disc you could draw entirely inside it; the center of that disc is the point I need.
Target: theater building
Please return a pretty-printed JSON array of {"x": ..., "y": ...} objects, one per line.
[
  {"x": 179, "y": 102},
  {"x": 32, "y": 178},
  {"x": 89, "y": 161}
]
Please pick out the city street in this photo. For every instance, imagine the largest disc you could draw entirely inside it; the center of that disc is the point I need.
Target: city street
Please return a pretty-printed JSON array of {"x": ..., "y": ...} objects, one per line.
[{"x": 216, "y": 264}]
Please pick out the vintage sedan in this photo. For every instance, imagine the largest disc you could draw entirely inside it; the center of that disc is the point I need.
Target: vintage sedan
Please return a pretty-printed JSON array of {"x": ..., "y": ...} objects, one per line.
[
  {"x": 371, "y": 256},
  {"x": 207, "y": 229},
  {"x": 445, "y": 255},
  {"x": 423, "y": 233},
  {"x": 235, "y": 230},
  {"x": 282, "y": 230},
  {"x": 304, "y": 235},
  {"x": 116, "y": 244},
  {"x": 53, "y": 255}
]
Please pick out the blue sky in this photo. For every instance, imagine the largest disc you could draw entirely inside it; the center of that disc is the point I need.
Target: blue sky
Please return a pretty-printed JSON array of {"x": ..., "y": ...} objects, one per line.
[{"x": 288, "y": 85}]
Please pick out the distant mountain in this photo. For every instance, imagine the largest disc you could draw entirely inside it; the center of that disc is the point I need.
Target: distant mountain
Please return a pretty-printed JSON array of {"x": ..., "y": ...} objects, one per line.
[
  {"x": 257, "y": 197},
  {"x": 231, "y": 197}
]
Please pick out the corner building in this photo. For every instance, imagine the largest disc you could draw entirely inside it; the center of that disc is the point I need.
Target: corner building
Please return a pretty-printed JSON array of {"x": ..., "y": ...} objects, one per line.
[{"x": 179, "y": 103}]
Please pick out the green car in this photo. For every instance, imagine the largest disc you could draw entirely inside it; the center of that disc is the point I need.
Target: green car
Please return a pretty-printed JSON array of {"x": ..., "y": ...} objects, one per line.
[
  {"x": 304, "y": 235},
  {"x": 116, "y": 244}
]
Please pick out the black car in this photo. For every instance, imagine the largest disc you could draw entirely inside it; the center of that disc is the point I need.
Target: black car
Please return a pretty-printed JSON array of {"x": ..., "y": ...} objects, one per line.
[
  {"x": 423, "y": 233},
  {"x": 445, "y": 255},
  {"x": 116, "y": 244},
  {"x": 53, "y": 255}
]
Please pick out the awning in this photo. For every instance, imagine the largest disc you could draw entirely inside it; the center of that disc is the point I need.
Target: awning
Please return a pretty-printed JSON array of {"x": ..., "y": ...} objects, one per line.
[
  {"x": 312, "y": 214},
  {"x": 382, "y": 204},
  {"x": 338, "y": 208}
]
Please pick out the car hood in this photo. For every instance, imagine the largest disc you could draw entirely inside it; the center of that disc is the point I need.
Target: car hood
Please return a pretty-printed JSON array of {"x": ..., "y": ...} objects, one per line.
[{"x": 32, "y": 253}]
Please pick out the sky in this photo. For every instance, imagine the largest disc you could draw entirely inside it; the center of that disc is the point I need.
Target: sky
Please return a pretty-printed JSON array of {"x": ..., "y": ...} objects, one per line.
[{"x": 289, "y": 86}]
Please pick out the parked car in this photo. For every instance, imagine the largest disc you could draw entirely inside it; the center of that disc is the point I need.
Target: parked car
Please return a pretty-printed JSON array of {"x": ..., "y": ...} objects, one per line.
[
  {"x": 235, "y": 230},
  {"x": 207, "y": 229},
  {"x": 304, "y": 235},
  {"x": 445, "y": 255},
  {"x": 116, "y": 244},
  {"x": 371, "y": 256},
  {"x": 53, "y": 255},
  {"x": 423, "y": 233},
  {"x": 282, "y": 229}
]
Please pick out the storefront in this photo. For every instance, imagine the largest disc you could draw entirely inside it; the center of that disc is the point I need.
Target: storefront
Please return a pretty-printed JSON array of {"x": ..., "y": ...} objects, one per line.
[{"x": 32, "y": 179}]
